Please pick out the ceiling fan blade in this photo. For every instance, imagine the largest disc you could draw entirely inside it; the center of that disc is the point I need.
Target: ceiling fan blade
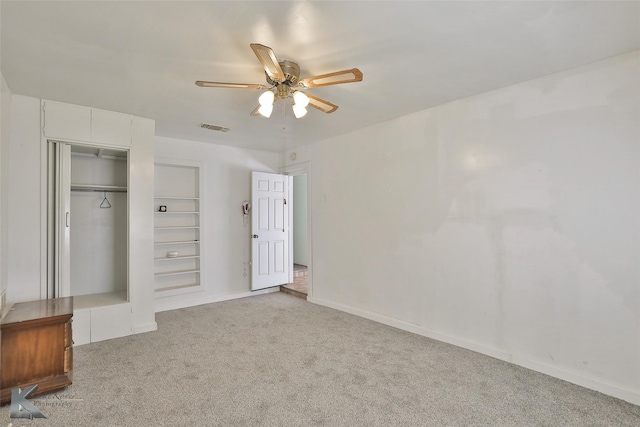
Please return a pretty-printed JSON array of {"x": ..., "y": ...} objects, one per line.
[
  {"x": 255, "y": 111},
  {"x": 269, "y": 61},
  {"x": 321, "y": 104},
  {"x": 230, "y": 85},
  {"x": 339, "y": 77}
]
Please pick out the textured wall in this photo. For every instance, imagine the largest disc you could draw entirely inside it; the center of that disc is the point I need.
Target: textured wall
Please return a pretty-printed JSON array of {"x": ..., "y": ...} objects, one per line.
[{"x": 507, "y": 222}]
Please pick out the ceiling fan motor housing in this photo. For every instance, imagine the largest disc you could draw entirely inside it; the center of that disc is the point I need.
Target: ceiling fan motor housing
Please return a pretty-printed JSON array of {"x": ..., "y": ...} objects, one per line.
[{"x": 291, "y": 72}]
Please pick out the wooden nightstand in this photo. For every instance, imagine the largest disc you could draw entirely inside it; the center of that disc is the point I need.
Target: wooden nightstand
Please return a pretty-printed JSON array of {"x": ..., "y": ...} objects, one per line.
[{"x": 37, "y": 347}]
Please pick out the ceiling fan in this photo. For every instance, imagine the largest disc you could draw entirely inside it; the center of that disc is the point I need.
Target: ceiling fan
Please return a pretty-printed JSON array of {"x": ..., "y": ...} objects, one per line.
[{"x": 283, "y": 77}]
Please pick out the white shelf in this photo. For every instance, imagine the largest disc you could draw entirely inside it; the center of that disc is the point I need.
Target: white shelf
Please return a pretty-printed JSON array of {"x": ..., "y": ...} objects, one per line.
[
  {"x": 166, "y": 258},
  {"x": 182, "y": 242},
  {"x": 97, "y": 187},
  {"x": 81, "y": 302},
  {"x": 180, "y": 227},
  {"x": 175, "y": 198},
  {"x": 177, "y": 212},
  {"x": 176, "y": 273},
  {"x": 179, "y": 289}
]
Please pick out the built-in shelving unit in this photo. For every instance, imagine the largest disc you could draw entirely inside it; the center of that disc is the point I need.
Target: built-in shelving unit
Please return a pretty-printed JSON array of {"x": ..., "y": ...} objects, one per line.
[{"x": 177, "y": 228}]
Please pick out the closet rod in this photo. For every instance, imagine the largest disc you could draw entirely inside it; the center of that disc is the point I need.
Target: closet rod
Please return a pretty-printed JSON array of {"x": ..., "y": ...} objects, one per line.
[{"x": 100, "y": 188}]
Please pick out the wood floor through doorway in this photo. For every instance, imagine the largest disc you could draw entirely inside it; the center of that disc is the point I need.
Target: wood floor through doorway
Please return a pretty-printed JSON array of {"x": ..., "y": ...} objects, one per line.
[{"x": 299, "y": 288}]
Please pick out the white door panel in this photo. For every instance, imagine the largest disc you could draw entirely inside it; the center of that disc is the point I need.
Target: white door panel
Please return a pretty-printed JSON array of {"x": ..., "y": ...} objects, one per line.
[{"x": 270, "y": 229}]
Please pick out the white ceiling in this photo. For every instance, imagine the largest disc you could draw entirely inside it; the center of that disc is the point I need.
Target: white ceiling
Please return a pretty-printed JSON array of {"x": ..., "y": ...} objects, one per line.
[{"x": 144, "y": 57}]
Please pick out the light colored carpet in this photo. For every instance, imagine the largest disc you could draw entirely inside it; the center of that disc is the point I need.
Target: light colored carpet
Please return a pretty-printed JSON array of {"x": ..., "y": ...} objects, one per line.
[{"x": 277, "y": 360}]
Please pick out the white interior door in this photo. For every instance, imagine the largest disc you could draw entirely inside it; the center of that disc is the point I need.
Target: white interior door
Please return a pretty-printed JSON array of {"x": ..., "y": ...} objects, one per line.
[{"x": 270, "y": 230}]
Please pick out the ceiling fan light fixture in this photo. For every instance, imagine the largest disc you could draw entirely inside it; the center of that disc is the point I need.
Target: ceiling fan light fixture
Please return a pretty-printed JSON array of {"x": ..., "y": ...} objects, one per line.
[
  {"x": 266, "y": 110},
  {"x": 299, "y": 110},
  {"x": 300, "y": 99},
  {"x": 283, "y": 77},
  {"x": 266, "y": 98}
]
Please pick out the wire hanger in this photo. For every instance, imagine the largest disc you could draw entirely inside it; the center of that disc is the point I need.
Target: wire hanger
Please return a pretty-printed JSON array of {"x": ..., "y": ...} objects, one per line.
[{"x": 105, "y": 202}]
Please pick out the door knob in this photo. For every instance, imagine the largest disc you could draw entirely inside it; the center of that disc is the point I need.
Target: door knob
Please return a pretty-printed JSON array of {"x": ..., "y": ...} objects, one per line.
[{"x": 255, "y": 236}]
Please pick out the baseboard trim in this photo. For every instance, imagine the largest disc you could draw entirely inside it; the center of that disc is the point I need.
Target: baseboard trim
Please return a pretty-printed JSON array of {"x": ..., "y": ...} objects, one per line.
[
  {"x": 631, "y": 396},
  {"x": 174, "y": 305}
]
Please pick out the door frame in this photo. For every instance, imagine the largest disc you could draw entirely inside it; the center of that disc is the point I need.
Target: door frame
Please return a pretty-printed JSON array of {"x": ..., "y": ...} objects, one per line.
[{"x": 293, "y": 170}]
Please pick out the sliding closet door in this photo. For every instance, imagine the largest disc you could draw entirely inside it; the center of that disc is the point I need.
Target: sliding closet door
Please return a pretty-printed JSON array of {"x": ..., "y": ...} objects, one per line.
[{"x": 62, "y": 240}]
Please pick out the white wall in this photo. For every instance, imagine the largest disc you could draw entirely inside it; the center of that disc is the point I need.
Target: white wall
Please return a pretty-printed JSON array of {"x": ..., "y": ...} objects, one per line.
[
  {"x": 5, "y": 119},
  {"x": 300, "y": 216},
  {"x": 24, "y": 210},
  {"x": 140, "y": 202},
  {"x": 507, "y": 223},
  {"x": 225, "y": 240}
]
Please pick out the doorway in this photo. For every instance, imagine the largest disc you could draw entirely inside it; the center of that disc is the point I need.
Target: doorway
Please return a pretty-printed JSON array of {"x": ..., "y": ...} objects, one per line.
[{"x": 301, "y": 237}]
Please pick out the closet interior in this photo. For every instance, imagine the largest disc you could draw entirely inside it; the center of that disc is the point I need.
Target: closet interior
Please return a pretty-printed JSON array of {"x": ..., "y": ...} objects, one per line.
[{"x": 91, "y": 250}]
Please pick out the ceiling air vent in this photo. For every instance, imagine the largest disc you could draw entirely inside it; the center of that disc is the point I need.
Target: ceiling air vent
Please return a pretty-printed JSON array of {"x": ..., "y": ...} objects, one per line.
[{"x": 214, "y": 127}]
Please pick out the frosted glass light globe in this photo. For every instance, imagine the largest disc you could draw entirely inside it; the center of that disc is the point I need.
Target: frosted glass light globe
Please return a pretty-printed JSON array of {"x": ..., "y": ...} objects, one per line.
[
  {"x": 266, "y": 98},
  {"x": 300, "y": 99}
]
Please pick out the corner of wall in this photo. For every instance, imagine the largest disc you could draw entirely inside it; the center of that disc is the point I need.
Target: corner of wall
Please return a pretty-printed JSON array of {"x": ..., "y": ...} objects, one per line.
[{"x": 5, "y": 135}]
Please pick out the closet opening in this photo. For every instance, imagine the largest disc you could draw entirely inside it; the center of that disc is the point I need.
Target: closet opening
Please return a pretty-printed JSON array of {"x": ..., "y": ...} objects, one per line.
[{"x": 88, "y": 211}]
